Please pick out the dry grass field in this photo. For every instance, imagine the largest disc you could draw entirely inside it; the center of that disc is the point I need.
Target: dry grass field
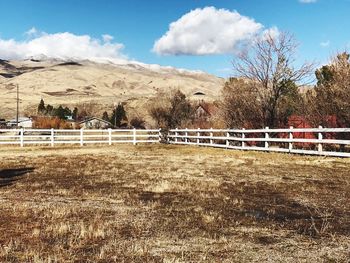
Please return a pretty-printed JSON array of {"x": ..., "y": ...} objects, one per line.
[{"x": 161, "y": 203}]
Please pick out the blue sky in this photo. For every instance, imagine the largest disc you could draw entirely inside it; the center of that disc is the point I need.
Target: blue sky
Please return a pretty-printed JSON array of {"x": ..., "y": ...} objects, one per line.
[{"x": 321, "y": 27}]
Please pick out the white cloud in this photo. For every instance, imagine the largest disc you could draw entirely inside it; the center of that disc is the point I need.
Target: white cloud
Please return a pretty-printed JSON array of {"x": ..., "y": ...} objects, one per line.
[
  {"x": 307, "y": 1},
  {"x": 32, "y": 32},
  {"x": 272, "y": 32},
  {"x": 61, "y": 45},
  {"x": 325, "y": 43},
  {"x": 207, "y": 31},
  {"x": 107, "y": 38}
]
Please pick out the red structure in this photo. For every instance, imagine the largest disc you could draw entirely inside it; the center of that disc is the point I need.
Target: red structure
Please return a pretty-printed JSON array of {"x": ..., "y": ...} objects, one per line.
[{"x": 300, "y": 122}]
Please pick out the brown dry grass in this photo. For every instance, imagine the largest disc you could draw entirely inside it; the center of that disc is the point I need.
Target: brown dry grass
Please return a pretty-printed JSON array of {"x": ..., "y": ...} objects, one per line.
[{"x": 171, "y": 204}]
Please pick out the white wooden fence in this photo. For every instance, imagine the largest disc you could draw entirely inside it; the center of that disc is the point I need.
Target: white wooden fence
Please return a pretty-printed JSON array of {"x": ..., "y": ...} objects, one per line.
[
  {"x": 52, "y": 136},
  {"x": 323, "y": 141},
  {"x": 316, "y": 141}
]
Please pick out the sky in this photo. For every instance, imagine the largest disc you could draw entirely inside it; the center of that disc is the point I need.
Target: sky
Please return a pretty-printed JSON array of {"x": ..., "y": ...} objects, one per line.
[{"x": 192, "y": 34}]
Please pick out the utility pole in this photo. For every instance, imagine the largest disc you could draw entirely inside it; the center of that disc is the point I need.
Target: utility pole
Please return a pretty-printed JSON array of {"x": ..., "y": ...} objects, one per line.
[
  {"x": 17, "y": 106},
  {"x": 115, "y": 116}
]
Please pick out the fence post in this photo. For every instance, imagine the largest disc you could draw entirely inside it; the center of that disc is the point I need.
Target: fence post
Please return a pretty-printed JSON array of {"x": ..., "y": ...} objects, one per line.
[
  {"x": 176, "y": 133},
  {"x": 109, "y": 136},
  {"x": 186, "y": 135},
  {"x": 267, "y": 136},
  {"x": 52, "y": 137},
  {"x": 21, "y": 137},
  {"x": 290, "y": 144},
  {"x": 134, "y": 136},
  {"x": 320, "y": 138},
  {"x": 211, "y": 135},
  {"x": 198, "y": 134},
  {"x": 81, "y": 137},
  {"x": 227, "y": 139},
  {"x": 243, "y": 137}
]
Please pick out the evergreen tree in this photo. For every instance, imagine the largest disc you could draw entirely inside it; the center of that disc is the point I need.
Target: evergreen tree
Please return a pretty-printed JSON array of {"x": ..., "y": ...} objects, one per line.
[
  {"x": 41, "y": 107},
  {"x": 75, "y": 114},
  {"x": 67, "y": 112},
  {"x": 60, "y": 112},
  {"x": 49, "y": 109},
  {"x": 118, "y": 115}
]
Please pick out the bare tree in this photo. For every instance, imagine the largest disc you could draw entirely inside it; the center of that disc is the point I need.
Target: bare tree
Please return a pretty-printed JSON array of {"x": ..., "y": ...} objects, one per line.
[
  {"x": 171, "y": 109},
  {"x": 269, "y": 63},
  {"x": 88, "y": 109},
  {"x": 239, "y": 107},
  {"x": 329, "y": 102}
]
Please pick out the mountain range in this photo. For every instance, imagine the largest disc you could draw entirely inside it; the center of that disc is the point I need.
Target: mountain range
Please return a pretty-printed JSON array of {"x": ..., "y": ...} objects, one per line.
[{"x": 103, "y": 83}]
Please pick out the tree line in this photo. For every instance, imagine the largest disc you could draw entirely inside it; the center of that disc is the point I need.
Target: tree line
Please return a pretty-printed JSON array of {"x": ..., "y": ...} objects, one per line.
[
  {"x": 268, "y": 87},
  {"x": 117, "y": 117},
  {"x": 59, "y": 112}
]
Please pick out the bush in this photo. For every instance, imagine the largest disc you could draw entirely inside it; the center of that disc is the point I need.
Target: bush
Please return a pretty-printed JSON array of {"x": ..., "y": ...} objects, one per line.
[
  {"x": 171, "y": 110},
  {"x": 138, "y": 123},
  {"x": 51, "y": 122}
]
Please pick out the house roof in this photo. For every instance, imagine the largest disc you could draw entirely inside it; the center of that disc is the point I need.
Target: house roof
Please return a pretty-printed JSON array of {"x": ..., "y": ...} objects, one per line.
[
  {"x": 20, "y": 119},
  {"x": 209, "y": 108},
  {"x": 95, "y": 118}
]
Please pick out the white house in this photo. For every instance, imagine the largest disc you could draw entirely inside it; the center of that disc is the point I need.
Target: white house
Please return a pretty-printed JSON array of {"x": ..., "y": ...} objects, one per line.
[
  {"x": 95, "y": 123},
  {"x": 23, "y": 122}
]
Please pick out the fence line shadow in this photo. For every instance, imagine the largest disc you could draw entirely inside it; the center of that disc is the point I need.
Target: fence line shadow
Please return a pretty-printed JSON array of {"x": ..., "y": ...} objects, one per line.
[{"x": 10, "y": 176}]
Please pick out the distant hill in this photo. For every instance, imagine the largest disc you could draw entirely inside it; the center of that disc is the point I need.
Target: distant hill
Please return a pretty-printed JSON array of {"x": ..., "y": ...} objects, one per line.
[{"x": 76, "y": 82}]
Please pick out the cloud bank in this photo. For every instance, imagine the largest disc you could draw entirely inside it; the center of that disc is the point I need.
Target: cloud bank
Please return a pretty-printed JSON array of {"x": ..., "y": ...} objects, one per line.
[
  {"x": 207, "y": 31},
  {"x": 61, "y": 45}
]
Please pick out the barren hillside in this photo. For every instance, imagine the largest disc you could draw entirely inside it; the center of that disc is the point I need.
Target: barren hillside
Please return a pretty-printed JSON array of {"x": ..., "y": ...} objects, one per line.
[{"x": 72, "y": 83}]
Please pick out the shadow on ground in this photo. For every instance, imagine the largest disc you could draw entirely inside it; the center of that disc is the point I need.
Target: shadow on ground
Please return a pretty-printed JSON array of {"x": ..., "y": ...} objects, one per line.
[
  {"x": 10, "y": 176},
  {"x": 244, "y": 204}
]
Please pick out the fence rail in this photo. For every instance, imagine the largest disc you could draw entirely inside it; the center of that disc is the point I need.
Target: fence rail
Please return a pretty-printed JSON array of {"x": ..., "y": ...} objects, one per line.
[
  {"x": 52, "y": 136},
  {"x": 315, "y": 141}
]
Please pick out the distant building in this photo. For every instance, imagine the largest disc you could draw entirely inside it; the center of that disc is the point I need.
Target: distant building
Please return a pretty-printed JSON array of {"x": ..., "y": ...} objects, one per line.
[
  {"x": 204, "y": 111},
  {"x": 69, "y": 118},
  {"x": 23, "y": 122},
  {"x": 95, "y": 123},
  {"x": 204, "y": 115}
]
